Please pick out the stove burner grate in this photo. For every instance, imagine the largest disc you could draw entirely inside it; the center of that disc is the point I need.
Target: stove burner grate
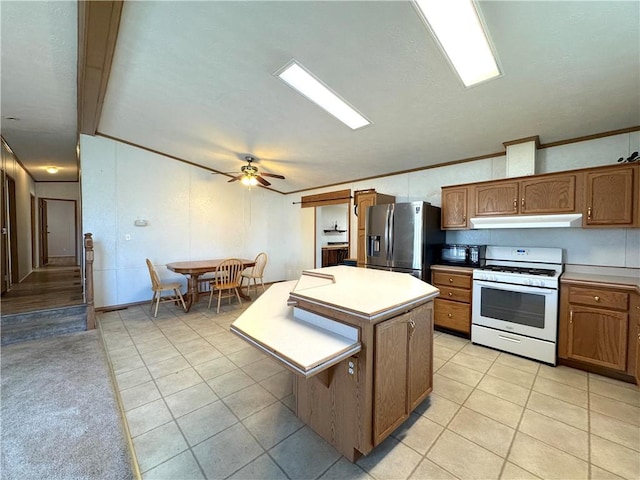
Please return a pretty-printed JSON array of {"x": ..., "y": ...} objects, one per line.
[{"x": 543, "y": 272}]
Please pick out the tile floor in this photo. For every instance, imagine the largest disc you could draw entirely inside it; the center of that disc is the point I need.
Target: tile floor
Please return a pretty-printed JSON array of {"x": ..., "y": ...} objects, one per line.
[{"x": 202, "y": 403}]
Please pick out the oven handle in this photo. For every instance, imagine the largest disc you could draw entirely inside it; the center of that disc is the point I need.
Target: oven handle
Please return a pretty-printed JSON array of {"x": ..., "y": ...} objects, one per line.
[{"x": 516, "y": 288}]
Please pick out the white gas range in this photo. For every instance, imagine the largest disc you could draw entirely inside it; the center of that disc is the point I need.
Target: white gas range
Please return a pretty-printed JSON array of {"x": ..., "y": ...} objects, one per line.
[{"x": 515, "y": 301}]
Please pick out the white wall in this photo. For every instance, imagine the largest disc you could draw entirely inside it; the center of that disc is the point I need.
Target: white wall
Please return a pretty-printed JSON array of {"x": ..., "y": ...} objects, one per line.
[{"x": 191, "y": 214}]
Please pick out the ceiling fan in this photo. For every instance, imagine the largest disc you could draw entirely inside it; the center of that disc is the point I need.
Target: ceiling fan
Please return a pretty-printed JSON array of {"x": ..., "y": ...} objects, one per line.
[{"x": 249, "y": 174}]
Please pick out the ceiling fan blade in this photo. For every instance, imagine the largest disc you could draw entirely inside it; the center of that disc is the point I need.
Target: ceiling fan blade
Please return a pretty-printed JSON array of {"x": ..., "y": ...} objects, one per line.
[
  {"x": 235, "y": 179},
  {"x": 272, "y": 175},
  {"x": 262, "y": 181}
]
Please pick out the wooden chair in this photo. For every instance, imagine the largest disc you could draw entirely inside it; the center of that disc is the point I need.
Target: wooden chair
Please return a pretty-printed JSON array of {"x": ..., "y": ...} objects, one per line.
[
  {"x": 227, "y": 278},
  {"x": 158, "y": 287},
  {"x": 256, "y": 272}
]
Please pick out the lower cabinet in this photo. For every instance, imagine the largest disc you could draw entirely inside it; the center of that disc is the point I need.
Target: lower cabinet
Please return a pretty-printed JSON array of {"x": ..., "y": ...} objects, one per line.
[
  {"x": 453, "y": 306},
  {"x": 595, "y": 327},
  {"x": 402, "y": 370}
]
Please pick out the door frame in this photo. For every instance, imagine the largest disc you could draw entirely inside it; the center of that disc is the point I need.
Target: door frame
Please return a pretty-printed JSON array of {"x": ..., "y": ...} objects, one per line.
[{"x": 43, "y": 222}]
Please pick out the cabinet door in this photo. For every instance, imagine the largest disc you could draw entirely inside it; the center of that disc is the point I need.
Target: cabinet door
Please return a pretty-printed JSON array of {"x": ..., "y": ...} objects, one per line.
[
  {"x": 610, "y": 197},
  {"x": 390, "y": 376},
  {"x": 365, "y": 200},
  {"x": 555, "y": 194},
  {"x": 598, "y": 336},
  {"x": 420, "y": 370},
  {"x": 454, "y": 208},
  {"x": 496, "y": 198}
]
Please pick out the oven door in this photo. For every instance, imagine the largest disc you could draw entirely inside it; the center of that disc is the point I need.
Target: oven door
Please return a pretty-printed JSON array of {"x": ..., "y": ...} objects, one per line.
[{"x": 526, "y": 310}]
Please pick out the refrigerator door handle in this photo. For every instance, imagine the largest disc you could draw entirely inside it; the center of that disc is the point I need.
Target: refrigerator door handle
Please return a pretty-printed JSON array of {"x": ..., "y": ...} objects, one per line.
[{"x": 390, "y": 234}]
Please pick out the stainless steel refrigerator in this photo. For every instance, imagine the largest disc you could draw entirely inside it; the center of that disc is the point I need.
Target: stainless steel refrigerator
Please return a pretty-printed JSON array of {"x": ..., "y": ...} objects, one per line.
[{"x": 402, "y": 237}]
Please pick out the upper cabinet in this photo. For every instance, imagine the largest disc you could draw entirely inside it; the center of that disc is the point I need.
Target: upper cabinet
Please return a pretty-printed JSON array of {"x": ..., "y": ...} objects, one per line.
[
  {"x": 364, "y": 199},
  {"x": 605, "y": 196},
  {"x": 612, "y": 197}
]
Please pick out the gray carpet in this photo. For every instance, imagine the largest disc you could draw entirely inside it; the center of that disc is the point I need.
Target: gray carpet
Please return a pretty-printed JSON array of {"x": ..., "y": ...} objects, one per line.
[{"x": 60, "y": 418}]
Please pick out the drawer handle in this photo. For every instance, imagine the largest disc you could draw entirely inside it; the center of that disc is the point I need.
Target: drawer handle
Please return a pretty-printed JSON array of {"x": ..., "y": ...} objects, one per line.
[
  {"x": 515, "y": 204},
  {"x": 522, "y": 203},
  {"x": 589, "y": 213},
  {"x": 451, "y": 280},
  {"x": 596, "y": 298},
  {"x": 571, "y": 317},
  {"x": 449, "y": 315},
  {"x": 451, "y": 294}
]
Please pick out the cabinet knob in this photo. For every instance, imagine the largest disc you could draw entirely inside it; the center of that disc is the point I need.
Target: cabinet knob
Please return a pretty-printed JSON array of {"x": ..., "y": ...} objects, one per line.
[
  {"x": 449, "y": 315},
  {"x": 596, "y": 298},
  {"x": 451, "y": 280},
  {"x": 451, "y": 294}
]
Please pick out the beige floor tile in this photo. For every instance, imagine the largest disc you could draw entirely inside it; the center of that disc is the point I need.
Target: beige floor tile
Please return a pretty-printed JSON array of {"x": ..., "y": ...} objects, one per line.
[
  {"x": 272, "y": 424},
  {"x": 563, "y": 392},
  {"x": 121, "y": 353},
  {"x": 213, "y": 368},
  {"x": 524, "y": 364},
  {"x": 438, "y": 363},
  {"x": 442, "y": 352},
  {"x": 451, "y": 341},
  {"x": 123, "y": 365},
  {"x": 512, "y": 375},
  {"x": 344, "y": 469},
  {"x": 598, "y": 473},
  {"x": 139, "y": 395},
  {"x": 461, "y": 374},
  {"x": 169, "y": 366},
  {"x": 450, "y": 389},
  {"x": 514, "y": 472},
  {"x": 484, "y": 431},
  {"x": 249, "y": 401},
  {"x": 557, "y": 409},
  {"x": 280, "y": 385},
  {"x": 557, "y": 434},
  {"x": 615, "y": 458},
  {"x": 473, "y": 362},
  {"x": 480, "y": 351},
  {"x": 147, "y": 417},
  {"x": 132, "y": 378},
  {"x": 262, "y": 369},
  {"x": 190, "y": 399},
  {"x": 227, "y": 452},
  {"x": 158, "y": 445},
  {"x": 178, "y": 381},
  {"x": 304, "y": 454},
  {"x": 261, "y": 468},
  {"x": 567, "y": 375},
  {"x": 418, "y": 432},
  {"x": 159, "y": 355},
  {"x": 206, "y": 422},
  {"x": 146, "y": 345},
  {"x": 494, "y": 407},
  {"x": 613, "y": 408},
  {"x": 437, "y": 408},
  {"x": 230, "y": 382},
  {"x": 390, "y": 460},
  {"x": 183, "y": 465},
  {"x": 505, "y": 390},
  {"x": 464, "y": 459},
  {"x": 615, "y": 430},
  {"x": 232, "y": 345},
  {"x": 546, "y": 461},
  {"x": 246, "y": 356},
  {"x": 427, "y": 470},
  {"x": 613, "y": 381},
  {"x": 289, "y": 402},
  {"x": 202, "y": 355},
  {"x": 615, "y": 392}
]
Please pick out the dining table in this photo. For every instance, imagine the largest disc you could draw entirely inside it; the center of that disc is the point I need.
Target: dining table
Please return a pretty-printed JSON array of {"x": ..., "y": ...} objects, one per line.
[{"x": 194, "y": 269}]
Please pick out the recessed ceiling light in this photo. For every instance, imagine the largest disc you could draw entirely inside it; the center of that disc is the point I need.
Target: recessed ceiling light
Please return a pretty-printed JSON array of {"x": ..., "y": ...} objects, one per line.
[
  {"x": 301, "y": 80},
  {"x": 457, "y": 27},
  {"x": 52, "y": 170}
]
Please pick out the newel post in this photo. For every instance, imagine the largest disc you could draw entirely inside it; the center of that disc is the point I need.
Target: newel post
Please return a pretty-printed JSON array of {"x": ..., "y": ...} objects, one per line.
[{"x": 88, "y": 281}]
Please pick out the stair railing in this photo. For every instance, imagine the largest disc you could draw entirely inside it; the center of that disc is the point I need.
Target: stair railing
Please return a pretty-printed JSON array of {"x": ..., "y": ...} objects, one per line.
[{"x": 88, "y": 281}]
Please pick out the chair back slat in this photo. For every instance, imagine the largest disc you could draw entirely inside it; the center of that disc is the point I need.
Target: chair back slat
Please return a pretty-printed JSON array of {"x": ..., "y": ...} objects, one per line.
[
  {"x": 228, "y": 273},
  {"x": 261, "y": 262},
  {"x": 155, "y": 280}
]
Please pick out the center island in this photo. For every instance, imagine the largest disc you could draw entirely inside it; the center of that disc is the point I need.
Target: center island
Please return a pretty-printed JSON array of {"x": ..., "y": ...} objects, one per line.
[{"x": 360, "y": 342}]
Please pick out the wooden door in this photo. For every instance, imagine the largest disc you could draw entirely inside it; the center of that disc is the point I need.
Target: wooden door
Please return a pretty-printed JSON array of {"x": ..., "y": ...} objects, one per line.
[
  {"x": 390, "y": 376},
  {"x": 598, "y": 336},
  {"x": 555, "y": 194},
  {"x": 454, "y": 208},
  {"x": 420, "y": 368},
  {"x": 496, "y": 198},
  {"x": 610, "y": 197}
]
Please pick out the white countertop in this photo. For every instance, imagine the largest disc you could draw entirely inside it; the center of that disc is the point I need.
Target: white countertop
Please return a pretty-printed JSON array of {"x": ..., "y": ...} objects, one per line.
[{"x": 612, "y": 275}]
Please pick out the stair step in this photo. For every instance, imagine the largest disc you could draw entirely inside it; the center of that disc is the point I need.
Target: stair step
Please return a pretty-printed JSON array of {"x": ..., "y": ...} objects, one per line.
[{"x": 21, "y": 327}]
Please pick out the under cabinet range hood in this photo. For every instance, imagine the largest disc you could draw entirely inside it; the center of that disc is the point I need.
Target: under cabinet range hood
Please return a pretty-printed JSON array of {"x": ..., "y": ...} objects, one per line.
[{"x": 573, "y": 220}]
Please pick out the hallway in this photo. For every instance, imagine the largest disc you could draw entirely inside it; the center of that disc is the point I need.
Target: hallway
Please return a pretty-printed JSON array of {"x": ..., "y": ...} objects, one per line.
[{"x": 45, "y": 288}]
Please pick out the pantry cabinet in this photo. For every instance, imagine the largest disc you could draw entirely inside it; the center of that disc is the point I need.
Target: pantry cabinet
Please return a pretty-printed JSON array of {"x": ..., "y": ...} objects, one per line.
[
  {"x": 598, "y": 326},
  {"x": 452, "y": 309},
  {"x": 612, "y": 197},
  {"x": 363, "y": 200}
]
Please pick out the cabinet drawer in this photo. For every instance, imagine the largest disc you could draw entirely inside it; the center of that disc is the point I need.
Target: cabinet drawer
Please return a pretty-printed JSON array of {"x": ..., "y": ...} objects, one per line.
[
  {"x": 453, "y": 315},
  {"x": 451, "y": 279},
  {"x": 455, "y": 294},
  {"x": 599, "y": 298}
]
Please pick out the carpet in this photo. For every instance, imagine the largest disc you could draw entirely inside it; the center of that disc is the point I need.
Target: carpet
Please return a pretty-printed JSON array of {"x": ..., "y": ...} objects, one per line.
[{"x": 60, "y": 418}]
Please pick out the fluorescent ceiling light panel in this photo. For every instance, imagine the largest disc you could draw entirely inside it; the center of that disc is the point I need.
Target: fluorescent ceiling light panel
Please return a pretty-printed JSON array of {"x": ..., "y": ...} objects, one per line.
[
  {"x": 457, "y": 26},
  {"x": 309, "y": 86}
]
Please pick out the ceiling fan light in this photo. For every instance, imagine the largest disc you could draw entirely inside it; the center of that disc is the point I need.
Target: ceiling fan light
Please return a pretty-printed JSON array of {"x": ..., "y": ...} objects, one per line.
[{"x": 249, "y": 180}]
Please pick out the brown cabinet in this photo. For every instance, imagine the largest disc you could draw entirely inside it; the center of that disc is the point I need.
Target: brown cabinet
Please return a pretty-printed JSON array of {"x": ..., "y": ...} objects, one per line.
[
  {"x": 612, "y": 197},
  {"x": 455, "y": 208},
  {"x": 364, "y": 199},
  {"x": 334, "y": 256},
  {"x": 597, "y": 328},
  {"x": 452, "y": 309},
  {"x": 402, "y": 370},
  {"x": 536, "y": 195},
  {"x": 635, "y": 320}
]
